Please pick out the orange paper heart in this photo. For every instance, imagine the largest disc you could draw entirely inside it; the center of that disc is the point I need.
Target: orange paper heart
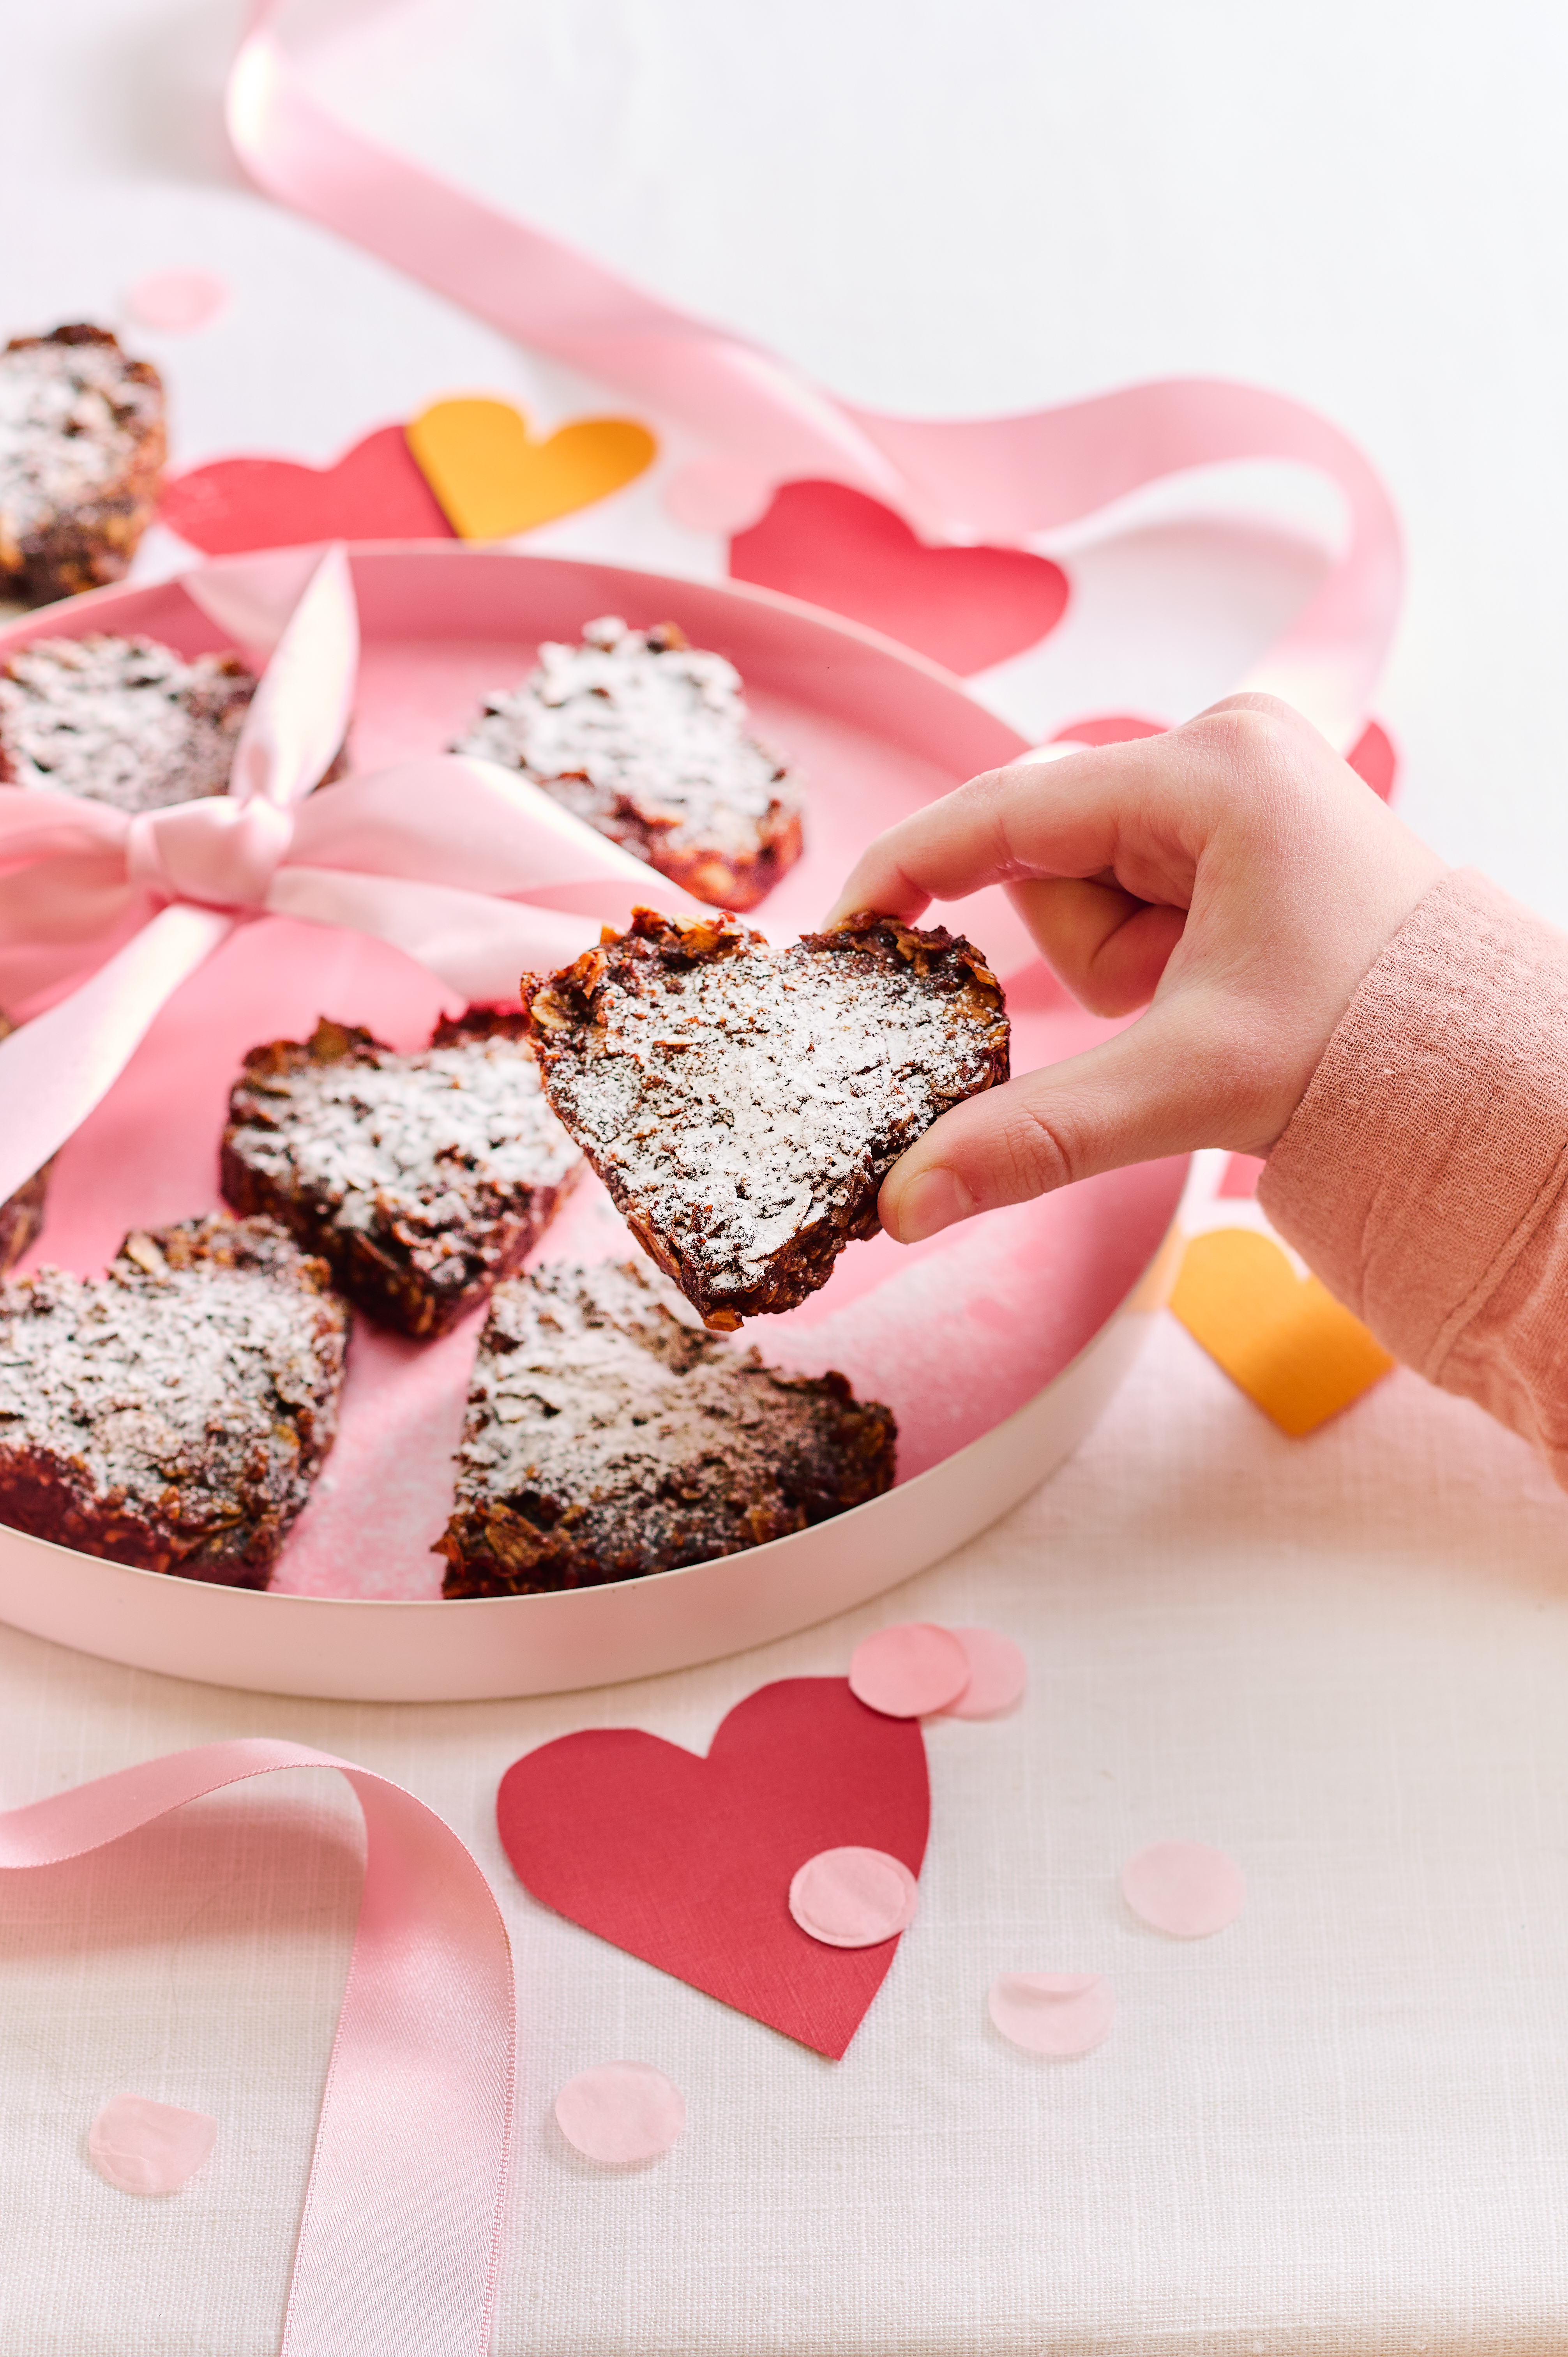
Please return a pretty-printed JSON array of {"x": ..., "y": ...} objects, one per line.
[
  {"x": 492, "y": 478},
  {"x": 1283, "y": 1338}
]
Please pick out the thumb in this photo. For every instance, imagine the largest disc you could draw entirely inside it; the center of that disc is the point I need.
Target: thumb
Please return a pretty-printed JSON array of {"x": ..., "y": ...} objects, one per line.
[{"x": 1171, "y": 1082}]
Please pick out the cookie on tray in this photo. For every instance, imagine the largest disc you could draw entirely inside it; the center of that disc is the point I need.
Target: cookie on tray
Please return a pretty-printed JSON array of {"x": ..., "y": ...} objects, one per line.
[
  {"x": 173, "y": 1414},
  {"x": 124, "y": 721},
  {"x": 608, "y": 1437},
  {"x": 742, "y": 1103},
  {"x": 82, "y": 446},
  {"x": 647, "y": 738},
  {"x": 419, "y": 1178}
]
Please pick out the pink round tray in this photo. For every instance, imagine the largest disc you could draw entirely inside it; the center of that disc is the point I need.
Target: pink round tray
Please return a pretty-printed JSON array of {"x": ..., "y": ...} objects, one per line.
[{"x": 996, "y": 1345}]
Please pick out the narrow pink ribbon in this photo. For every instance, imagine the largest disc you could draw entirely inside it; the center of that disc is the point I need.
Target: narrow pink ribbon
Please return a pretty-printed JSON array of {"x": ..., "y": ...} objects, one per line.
[
  {"x": 456, "y": 862},
  {"x": 1002, "y": 477},
  {"x": 400, "y": 2239}
]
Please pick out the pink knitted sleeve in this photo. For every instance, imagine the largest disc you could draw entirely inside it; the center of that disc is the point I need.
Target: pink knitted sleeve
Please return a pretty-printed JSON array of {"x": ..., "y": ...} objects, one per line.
[{"x": 1422, "y": 1175}]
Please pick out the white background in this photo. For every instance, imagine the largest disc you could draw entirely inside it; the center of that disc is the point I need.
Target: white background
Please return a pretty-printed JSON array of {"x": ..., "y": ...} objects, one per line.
[{"x": 1341, "y": 2127}]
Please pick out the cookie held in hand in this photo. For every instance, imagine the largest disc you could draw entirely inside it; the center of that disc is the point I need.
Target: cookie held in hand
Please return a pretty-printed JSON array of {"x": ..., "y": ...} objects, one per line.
[
  {"x": 608, "y": 1437},
  {"x": 419, "y": 1178},
  {"x": 743, "y": 1104},
  {"x": 172, "y": 1414}
]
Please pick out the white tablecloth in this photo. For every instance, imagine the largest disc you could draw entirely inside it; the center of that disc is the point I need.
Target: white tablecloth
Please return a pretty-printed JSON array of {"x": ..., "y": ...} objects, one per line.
[
  {"x": 1342, "y": 2125},
  {"x": 1337, "y": 2126}
]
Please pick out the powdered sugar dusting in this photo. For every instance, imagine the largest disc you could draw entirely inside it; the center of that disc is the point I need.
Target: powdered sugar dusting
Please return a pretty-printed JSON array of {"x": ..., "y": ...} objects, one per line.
[
  {"x": 185, "y": 1381},
  {"x": 754, "y": 1096},
  {"x": 405, "y": 1138},
  {"x": 609, "y": 1436},
  {"x": 73, "y": 417},
  {"x": 579, "y": 1367},
  {"x": 124, "y": 721},
  {"x": 646, "y": 739}
]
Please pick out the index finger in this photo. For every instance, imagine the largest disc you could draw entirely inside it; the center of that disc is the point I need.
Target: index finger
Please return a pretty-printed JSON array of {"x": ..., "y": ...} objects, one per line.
[{"x": 1049, "y": 815}]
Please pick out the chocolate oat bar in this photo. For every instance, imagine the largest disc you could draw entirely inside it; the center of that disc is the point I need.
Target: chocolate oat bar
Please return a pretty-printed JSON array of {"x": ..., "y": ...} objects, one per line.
[
  {"x": 742, "y": 1103},
  {"x": 419, "y": 1178},
  {"x": 173, "y": 1414},
  {"x": 647, "y": 738},
  {"x": 608, "y": 1437},
  {"x": 125, "y": 721},
  {"x": 81, "y": 455}
]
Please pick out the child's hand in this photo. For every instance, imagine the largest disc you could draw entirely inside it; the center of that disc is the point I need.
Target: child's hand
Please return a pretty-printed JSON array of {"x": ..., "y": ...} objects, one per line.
[{"x": 1235, "y": 876}]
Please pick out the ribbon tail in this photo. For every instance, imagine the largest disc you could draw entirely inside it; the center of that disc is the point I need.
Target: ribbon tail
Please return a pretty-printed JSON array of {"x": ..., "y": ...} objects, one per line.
[
  {"x": 1039, "y": 471},
  {"x": 478, "y": 945},
  {"x": 400, "y": 2240},
  {"x": 530, "y": 287},
  {"x": 57, "y": 1068},
  {"x": 299, "y": 714}
]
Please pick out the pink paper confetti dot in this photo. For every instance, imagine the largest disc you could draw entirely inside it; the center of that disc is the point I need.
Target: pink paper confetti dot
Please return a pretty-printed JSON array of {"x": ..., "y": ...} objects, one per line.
[
  {"x": 620, "y": 2112},
  {"x": 1184, "y": 1888},
  {"x": 908, "y": 1670},
  {"x": 1052, "y": 2013},
  {"x": 176, "y": 300},
  {"x": 717, "y": 495},
  {"x": 147, "y": 2147},
  {"x": 853, "y": 1897},
  {"x": 997, "y": 1674}
]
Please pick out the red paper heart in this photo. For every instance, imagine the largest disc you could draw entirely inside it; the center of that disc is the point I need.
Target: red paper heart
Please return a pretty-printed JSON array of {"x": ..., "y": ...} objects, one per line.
[
  {"x": 687, "y": 1862},
  {"x": 374, "y": 492},
  {"x": 969, "y": 608}
]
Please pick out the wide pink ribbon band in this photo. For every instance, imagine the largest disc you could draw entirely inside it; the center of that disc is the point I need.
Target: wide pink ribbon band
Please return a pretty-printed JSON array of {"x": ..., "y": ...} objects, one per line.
[
  {"x": 400, "y": 2238},
  {"x": 1002, "y": 477},
  {"x": 458, "y": 863}
]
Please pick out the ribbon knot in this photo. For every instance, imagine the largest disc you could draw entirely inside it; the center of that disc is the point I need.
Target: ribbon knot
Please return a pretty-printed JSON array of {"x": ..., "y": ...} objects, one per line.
[{"x": 219, "y": 853}]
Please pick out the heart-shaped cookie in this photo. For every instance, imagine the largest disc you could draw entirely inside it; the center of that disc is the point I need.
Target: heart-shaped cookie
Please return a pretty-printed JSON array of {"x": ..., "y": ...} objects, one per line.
[
  {"x": 492, "y": 478},
  {"x": 687, "y": 1862},
  {"x": 172, "y": 1414},
  {"x": 1283, "y": 1338},
  {"x": 743, "y": 1104},
  {"x": 968, "y": 608},
  {"x": 374, "y": 492}
]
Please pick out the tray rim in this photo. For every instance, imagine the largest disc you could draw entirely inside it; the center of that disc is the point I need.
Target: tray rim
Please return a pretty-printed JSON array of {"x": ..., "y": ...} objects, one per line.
[{"x": 1080, "y": 1387}]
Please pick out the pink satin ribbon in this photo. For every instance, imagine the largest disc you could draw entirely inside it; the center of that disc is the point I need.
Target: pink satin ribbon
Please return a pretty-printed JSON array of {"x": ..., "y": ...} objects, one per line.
[
  {"x": 400, "y": 2239},
  {"x": 1001, "y": 477},
  {"x": 458, "y": 863}
]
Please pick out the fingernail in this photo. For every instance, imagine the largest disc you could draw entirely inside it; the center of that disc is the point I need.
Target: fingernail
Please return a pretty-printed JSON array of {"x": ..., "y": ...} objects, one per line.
[{"x": 931, "y": 1201}]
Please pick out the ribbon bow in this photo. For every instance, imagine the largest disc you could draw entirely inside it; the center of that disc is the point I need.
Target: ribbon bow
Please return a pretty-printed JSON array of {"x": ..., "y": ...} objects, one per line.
[{"x": 457, "y": 862}]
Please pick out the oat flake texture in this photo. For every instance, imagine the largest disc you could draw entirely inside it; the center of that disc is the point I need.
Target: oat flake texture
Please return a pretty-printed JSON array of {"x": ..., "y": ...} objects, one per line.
[
  {"x": 608, "y": 1437},
  {"x": 743, "y": 1104},
  {"x": 420, "y": 1178},
  {"x": 73, "y": 416},
  {"x": 172, "y": 1414},
  {"x": 648, "y": 739},
  {"x": 122, "y": 721}
]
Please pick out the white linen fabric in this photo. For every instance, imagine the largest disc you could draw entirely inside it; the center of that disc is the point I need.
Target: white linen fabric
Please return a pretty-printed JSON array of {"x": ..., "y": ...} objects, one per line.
[{"x": 1341, "y": 2125}]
